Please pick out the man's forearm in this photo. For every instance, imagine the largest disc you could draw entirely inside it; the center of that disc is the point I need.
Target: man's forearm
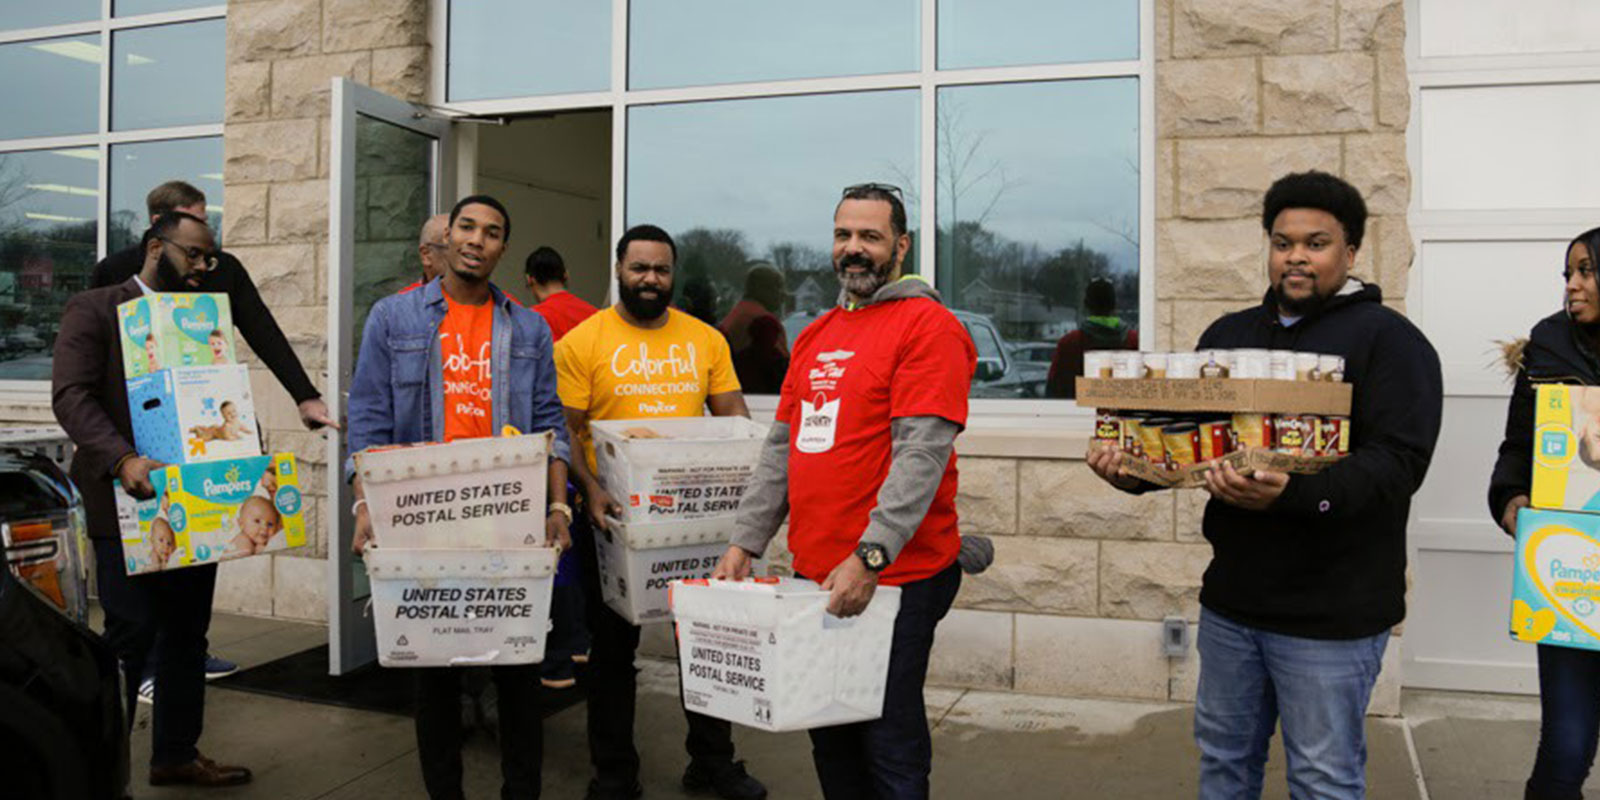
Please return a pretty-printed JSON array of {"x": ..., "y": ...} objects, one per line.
[
  {"x": 766, "y": 499},
  {"x": 922, "y": 448}
]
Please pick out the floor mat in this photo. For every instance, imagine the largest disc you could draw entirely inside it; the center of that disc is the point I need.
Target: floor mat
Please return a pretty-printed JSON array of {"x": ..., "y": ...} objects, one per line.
[{"x": 304, "y": 676}]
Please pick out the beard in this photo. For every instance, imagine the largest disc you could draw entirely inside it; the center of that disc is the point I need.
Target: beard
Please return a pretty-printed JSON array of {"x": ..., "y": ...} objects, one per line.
[
  {"x": 643, "y": 308},
  {"x": 169, "y": 279},
  {"x": 865, "y": 284}
]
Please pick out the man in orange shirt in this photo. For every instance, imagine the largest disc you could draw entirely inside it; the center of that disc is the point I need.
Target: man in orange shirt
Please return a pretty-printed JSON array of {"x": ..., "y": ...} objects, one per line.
[
  {"x": 639, "y": 359},
  {"x": 547, "y": 279}
]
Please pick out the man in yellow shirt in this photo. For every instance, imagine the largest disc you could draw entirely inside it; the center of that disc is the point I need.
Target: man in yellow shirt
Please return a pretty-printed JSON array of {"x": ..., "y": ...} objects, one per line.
[{"x": 639, "y": 359}]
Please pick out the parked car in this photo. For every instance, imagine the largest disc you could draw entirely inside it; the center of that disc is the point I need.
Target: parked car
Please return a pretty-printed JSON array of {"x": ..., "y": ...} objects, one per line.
[{"x": 62, "y": 726}]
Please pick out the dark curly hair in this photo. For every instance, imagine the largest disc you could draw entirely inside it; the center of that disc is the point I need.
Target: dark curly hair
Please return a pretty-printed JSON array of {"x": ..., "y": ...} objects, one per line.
[{"x": 1324, "y": 192}]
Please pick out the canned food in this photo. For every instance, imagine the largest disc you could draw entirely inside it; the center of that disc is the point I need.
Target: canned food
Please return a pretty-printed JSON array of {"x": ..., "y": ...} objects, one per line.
[
  {"x": 1331, "y": 368},
  {"x": 1253, "y": 430},
  {"x": 1098, "y": 363},
  {"x": 1184, "y": 365},
  {"x": 1216, "y": 363},
  {"x": 1281, "y": 365},
  {"x": 1182, "y": 441},
  {"x": 1108, "y": 427},
  {"x": 1305, "y": 367},
  {"x": 1153, "y": 444},
  {"x": 1127, "y": 364},
  {"x": 1296, "y": 436},
  {"x": 1251, "y": 364},
  {"x": 1333, "y": 438},
  {"x": 1216, "y": 439},
  {"x": 1132, "y": 425},
  {"x": 1155, "y": 365}
]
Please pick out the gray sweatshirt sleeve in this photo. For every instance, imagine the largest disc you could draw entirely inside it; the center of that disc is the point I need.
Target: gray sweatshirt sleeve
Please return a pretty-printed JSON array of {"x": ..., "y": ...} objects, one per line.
[
  {"x": 766, "y": 500},
  {"x": 922, "y": 448}
]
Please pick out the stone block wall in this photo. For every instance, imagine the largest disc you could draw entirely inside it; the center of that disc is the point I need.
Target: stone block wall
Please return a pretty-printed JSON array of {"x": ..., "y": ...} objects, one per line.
[{"x": 281, "y": 58}]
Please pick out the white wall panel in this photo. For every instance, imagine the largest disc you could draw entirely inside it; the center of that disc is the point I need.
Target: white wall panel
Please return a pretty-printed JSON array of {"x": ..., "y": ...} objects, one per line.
[
  {"x": 1510, "y": 147},
  {"x": 1500, "y": 27},
  {"x": 1475, "y": 294}
]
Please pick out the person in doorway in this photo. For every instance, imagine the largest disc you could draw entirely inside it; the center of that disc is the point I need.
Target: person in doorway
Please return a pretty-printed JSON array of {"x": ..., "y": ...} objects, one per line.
[
  {"x": 861, "y": 458},
  {"x": 1562, "y": 348},
  {"x": 759, "y": 344},
  {"x": 1102, "y": 329},
  {"x": 161, "y": 617},
  {"x": 641, "y": 358},
  {"x": 432, "y": 243},
  {"x": 1307, "y": 575},
  {"x": 487, "y": 364},
  {"x": 546, "y": 274}
]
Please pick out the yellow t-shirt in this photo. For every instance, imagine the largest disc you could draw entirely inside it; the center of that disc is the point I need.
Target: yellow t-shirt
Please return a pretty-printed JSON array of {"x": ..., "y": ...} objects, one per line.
[{"x": 613, "y": 370}]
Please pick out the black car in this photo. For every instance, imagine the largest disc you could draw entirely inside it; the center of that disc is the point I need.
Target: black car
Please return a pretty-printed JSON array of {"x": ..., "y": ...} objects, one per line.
[{"x": 62, "y": 726}]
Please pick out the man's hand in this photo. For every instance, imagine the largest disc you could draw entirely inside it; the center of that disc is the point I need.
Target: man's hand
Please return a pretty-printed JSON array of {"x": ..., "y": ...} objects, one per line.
[
  {"x": 1255, "y": 493},
  {"x": 557, "y": 532},
  {"x": 1508, "y": 518},
  {"x": 733, "y": 566},
  {"x": 1107, "y": 463},
  {"x": 600, "y": 506},
  {"x": 135, "y": 476},
  {"x": 363, "y": 536},
  {"x": 851, "y": 586},
  {"x": 314, "y": 414}
]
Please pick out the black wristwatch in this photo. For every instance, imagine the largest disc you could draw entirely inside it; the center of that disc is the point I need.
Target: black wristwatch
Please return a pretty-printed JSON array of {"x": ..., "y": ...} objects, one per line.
[{"x": 875, "y": 556}]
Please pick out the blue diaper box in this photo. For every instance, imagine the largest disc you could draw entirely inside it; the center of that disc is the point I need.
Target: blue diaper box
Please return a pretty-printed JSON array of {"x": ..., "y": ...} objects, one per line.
[
  {"x": 187, "y": 415},
  {"x": 1555, "y": 591}
]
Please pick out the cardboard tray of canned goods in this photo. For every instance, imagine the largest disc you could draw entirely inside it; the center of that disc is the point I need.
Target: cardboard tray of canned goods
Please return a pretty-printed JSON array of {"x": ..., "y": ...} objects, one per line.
[
  {"x": 1215, "y": 394},
  {"x": 1246, "y": 461}
]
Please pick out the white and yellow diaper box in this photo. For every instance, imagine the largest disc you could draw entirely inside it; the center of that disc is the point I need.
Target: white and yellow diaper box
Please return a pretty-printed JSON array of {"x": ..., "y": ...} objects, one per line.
[
  {"x": 1566, "y": 448},
  {"x": 1555, "y": 594},
  {"x": 175, "y": 329},
  {"x": 213, "y": 511}
]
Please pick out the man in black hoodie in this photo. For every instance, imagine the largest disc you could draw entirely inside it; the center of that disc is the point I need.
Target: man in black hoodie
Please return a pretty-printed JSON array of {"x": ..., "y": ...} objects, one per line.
[{"x": 1307, "y": 575}]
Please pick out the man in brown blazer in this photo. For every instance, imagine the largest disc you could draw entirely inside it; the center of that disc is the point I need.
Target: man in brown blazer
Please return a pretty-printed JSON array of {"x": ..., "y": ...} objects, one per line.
[{"x": 170, "y": 611}]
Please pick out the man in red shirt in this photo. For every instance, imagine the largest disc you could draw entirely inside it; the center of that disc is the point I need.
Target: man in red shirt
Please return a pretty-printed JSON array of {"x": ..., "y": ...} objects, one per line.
[
  {"x": 547, "y": 279},
  {"x": 431, "y": 244},
  {"x": 861, "y": 458}
]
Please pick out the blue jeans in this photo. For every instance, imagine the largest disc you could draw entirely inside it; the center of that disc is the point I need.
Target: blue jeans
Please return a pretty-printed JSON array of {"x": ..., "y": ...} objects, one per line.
[
  {"x": 1569, "y": 722},
  {"x": 891, "y": 757},
  {"x": 1250, "y": 680}
]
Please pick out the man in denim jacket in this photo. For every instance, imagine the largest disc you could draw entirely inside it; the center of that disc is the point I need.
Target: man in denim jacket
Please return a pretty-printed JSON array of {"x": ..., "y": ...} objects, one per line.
[{"x": 458, "y": 359}]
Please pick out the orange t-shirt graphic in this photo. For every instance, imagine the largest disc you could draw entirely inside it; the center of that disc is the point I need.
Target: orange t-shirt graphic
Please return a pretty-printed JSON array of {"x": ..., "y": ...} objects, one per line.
[{"x": 466, "y": 339}]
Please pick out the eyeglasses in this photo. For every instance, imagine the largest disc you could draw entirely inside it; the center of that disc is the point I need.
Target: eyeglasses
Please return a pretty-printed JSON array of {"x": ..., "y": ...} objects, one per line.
[
  {"x": 864, "y": 188},
  {"x": 207, "y": 259}
]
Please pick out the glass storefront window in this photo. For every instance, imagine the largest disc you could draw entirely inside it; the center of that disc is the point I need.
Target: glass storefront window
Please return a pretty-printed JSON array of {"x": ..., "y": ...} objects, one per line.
[
  {"x": 513, "y": 48},
  {"x": 699, "y": 42},
  {"x": 129, "y": 8},
  {"x": 1038, "y": 197},
  {"x": 167, "y": 75},
  {"x": 138, "y": 168},
  {"x": 1003, "y": 33},
  {"x": 48, "y": 217},
  {"x": 18, "y": 15},
  {"x": 748, "y": 188},
  {"x": 50, "y": 87},
  {"x": 394, "y": 186}
]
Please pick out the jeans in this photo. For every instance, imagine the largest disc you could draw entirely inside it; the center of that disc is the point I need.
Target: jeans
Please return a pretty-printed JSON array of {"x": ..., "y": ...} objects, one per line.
[
  {"x": 439, "y": 730},
  {"x": 891, "y": 757},
  {"x": 613, "y": 689},
  {"x": 1251, "y": 680},
  {"x": 1569, "y": 722},
  {"x": 162, "y": 616}
]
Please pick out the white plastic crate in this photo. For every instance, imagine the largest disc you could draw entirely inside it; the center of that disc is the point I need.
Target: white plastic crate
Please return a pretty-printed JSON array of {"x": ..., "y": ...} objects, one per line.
[
  {"x": 766, "y": 653},
  {"x": 450, "y": 607},
  {"x": 639, "y": 562},
  {"x": 474, "y": 493},
  {"x": 697, "y": 468}
]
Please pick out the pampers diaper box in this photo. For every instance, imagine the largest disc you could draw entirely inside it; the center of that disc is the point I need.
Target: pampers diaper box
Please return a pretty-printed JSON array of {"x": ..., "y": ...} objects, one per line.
[
  {"x": 1566, "y": 448},
  {"x": 175, "y": 329},
  {"x": 213, "y": 511},
  {"x": 1555, "y": 594},
  {"x": 185, "y": 415}
]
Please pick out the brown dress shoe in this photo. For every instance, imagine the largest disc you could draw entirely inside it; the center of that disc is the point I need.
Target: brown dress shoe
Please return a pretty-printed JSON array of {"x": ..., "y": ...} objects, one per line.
[{"x": 201, "y": 771}]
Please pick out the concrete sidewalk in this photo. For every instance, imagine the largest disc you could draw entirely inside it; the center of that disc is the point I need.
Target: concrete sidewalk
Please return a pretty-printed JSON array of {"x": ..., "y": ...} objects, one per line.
[{"x": 986, "y": 744}]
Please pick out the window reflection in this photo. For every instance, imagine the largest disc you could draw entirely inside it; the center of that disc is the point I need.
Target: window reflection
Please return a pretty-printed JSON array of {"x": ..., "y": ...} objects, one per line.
[
  {"x": 138, "y": 168},
  {"x": 19, "y": 15},
  {"x": 512, "y": 48},
  {"x": 50, "y": 87},
  {"x": 48, "y": 201},
  {"x": 1000, "y": 33},
  {"x": 167, "y": 75},
  {"x": 748, "y": 188},
  {"x": 698, "y": 42},
  {"x": 1038, "y": 192},
  {"x": 129, "y": 8}
]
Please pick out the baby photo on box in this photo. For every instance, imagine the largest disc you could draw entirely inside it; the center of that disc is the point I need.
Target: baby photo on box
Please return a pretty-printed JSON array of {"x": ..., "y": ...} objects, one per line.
[
  {"x": 214, "y": 511},
  {"x": 191, "y": 414},
  {"x": 175, "y": 329}
]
